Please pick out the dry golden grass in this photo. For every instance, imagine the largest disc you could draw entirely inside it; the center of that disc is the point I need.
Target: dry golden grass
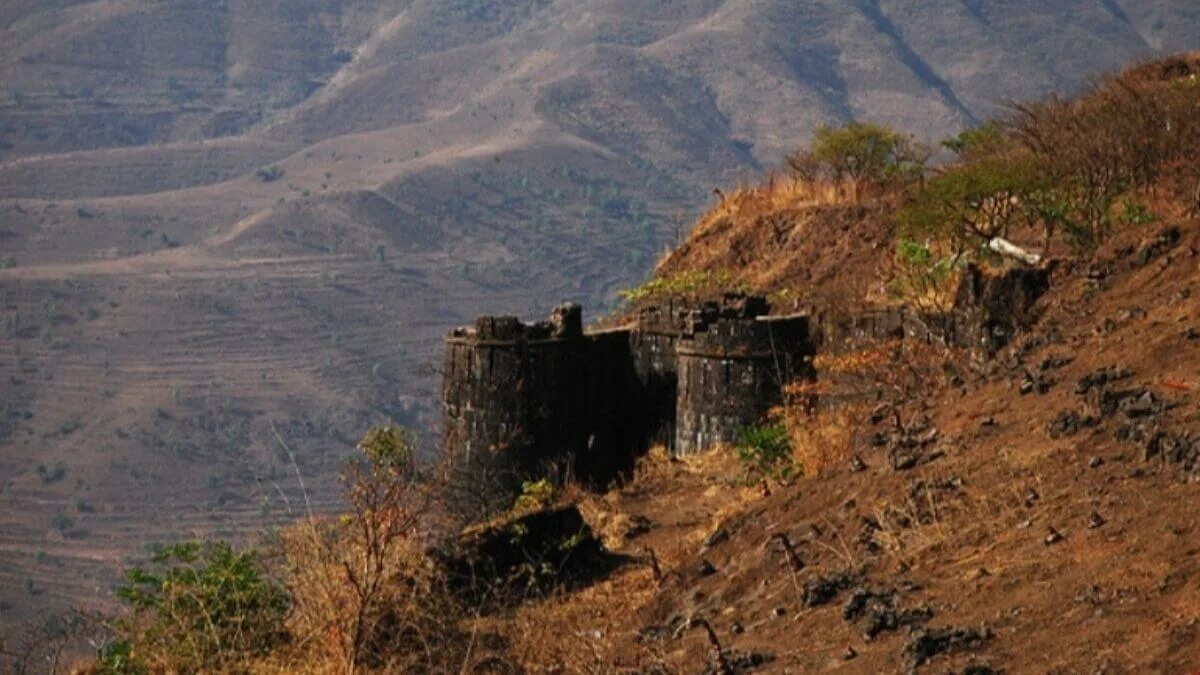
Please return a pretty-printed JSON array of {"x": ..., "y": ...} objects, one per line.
[
  {"x": 820, "y": 439},
  {"x": 587, "y": 626},
  {"x": 777, "y": 193},
  {"x": 413, "y": 620}
]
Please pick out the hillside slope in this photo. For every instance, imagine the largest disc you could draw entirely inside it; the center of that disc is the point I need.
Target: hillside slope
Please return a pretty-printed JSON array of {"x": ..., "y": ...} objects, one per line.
[
  {"x": 175, "y": 317},
  {"x": 1050, "y": 548},
  {"x": 1019, "y": 503}
]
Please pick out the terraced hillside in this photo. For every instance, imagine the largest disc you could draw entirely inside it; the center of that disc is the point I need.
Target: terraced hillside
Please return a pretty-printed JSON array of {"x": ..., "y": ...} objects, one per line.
[{"x": 232, "y": 232}]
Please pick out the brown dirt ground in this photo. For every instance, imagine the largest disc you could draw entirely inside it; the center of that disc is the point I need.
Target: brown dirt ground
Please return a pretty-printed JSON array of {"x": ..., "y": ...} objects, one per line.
[{"x": 1122, "y": 597}]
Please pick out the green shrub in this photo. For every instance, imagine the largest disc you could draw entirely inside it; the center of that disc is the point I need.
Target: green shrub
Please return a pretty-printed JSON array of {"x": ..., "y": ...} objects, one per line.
[
  {"x": 534, "y": 495},
  {"x": 972, "y": 202},
  {"x": 691, "y": 282},
  {"x": 861, "y": 153},
  {"x": 201, "y": 607},
  {"x": 268, "y": 174},
  {"x": 985, "y": 139},
  {"x": 1136, "y": 213},
  {"x": 51, "y": 475},
  {"x": 766, "y": 452},
  {"x": 923, "y": 278},
  {"x": 117, "y": 659},
  {"x": 62, "y": 522}
]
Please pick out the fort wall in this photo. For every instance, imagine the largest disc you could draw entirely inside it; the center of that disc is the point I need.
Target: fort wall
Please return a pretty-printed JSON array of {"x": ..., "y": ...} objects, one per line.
[{"x": 549, "y": 398}]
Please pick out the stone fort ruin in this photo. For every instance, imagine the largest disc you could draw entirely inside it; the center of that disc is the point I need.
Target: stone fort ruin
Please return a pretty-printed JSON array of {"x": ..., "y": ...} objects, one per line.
[{"x": 550, "y": 398}]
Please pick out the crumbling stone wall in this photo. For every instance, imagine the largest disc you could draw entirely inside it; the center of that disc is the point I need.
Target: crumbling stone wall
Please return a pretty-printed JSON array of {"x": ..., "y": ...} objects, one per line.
[
  {"x": 990, "y": 310},
  {"x": 549, "y": 399},
  {"x": 546, "y": 398},
  {"x": 509, "y": 400},
  {"x": 732, "y": 370},
  {"x": 653, "y": 343}
]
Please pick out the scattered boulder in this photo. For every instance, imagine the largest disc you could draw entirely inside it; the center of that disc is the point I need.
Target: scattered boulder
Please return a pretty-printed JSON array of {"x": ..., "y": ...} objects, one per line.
[
  {"x": 873, "y": 611},
  {"x": 1069, "y": 423},
  {"x": 545, "y": 550},
  {"x": 1101, "y": 377},
  {"x": 822, "y": 590},
  {"x": 1037, "y": 383},
  {"x": 927, "y": 643},
  {"x": 1157, "y": 245},
  {"x": 740, "y": 662}
]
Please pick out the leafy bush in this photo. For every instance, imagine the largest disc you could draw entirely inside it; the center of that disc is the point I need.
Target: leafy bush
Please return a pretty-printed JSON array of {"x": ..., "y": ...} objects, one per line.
[
  {"x": 976, "y": 200},
  {"x": 860, "y": 153},
  {"x": 1136, "y": 213},
  {"x": 986, "y": 139},
  {"x": 268, "y": 174},
  {"x": 690, "y": 282},
  {"x": 1064, "y": 165},
  {"x": 200, "y": 607},
  {"x": 766, "y": 451},
  {"x": 62, "y": 522},
  {"x": 51, "y": 475},
  {"x": 923, "y": 278},
  {"x": 534, "y": 495},
  {"x": 365, "y": 593}
]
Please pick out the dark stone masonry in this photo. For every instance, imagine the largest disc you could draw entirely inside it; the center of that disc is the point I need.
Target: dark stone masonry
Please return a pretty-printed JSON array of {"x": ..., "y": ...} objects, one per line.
[
  {"x": 553, "y": 398},
  {"x": 550, "y": 399}
]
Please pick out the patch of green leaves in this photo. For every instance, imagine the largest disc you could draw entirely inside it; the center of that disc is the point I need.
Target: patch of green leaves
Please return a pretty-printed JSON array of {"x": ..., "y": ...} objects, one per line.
[
  {"x": 766, "y": 452},
  {"x": 199, "y": 607},
  {"x": 690, "y": 282}
]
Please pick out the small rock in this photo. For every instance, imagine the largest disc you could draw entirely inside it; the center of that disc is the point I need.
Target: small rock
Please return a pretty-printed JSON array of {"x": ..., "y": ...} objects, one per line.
[
  {"x": 988, "y": 421},
  {"x": 928, "y": 643},
  {"x": 1095, "y": 462},
  {"x": 850, "y": 654},
  {"x": 822, "y": 590},
  {"x": 716, "y": 537},
  {"x": 857, "y": 465},
  {"x": 707, "y": 569},
  {"x": 779, "y": 612},
  {"x": 638, "y": 525},
  {"x": 880, "y": 413},
  {"x": 737, "y": 628},
  {"x": 1053, "y": 537},
  {"x": 1031, "y": 497},
  {"x": 1096, "y": 521},
  {"x": 979, "y": 574},
  {"x": 743, "y": 662},
  {"x": 903, "y": 459}
]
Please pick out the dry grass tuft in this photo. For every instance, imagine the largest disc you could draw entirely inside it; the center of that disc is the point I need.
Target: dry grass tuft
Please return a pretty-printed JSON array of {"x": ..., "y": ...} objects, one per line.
[
  {"x": 412, "y": 620},
  {"x": 820, "y": 439},
  {"x": 777, "y": 193},
  {"x": 587, "y": 627}
]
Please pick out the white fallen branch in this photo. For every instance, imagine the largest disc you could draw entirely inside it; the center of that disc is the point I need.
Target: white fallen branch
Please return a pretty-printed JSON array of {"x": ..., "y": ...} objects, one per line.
[{"x": 1007, "y": 248}]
